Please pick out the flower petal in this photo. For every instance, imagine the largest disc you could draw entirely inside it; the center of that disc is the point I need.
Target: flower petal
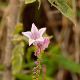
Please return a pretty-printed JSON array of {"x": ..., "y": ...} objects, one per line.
[
  {"x": 35, "y": 43},
  {"x": 31, "y": 41},
  {"x": 34, "y": 28},
  {"x": 46, "y": 42},
  {"x": 40, "y": 39},
  {"x": 41, "y": 31},
  {"x": 28, "y": 34}
]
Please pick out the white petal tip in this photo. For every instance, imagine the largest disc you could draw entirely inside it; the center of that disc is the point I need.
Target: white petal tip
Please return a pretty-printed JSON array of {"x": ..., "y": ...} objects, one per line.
[
  {"x": 45, "y": 28},
  {"x": 33, "y": 24},
  {"x": 22, "y": 32},
  {"x": 29, "y": 44}
]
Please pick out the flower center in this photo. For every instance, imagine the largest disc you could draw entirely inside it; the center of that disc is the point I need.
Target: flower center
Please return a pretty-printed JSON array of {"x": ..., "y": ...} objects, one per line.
[{"x": 35, "y": 35}]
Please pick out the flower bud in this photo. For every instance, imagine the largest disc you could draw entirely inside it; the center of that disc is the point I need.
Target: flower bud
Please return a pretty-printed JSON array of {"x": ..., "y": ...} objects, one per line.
[
  {"x": 34, "y": 69},
  {"x": 37, "y": 76},
  {"x": 38, "y": 71},
  {"x": 38, "y": 66},
  {"x": 39, "y": 59},
  {"x": 36, "y": 52},
  {"x": 36, "y": 63},
  {"x": 33, "y": 77},
  {"x": 34, "y": 73}
]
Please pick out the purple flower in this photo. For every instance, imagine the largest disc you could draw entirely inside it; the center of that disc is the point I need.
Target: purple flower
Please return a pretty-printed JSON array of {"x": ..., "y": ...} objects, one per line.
[
  {"x": 36, "y": 62},
  {"x": 36, "y": 52},
  {"x": 38, "y": 66},
  {"x": 44, "y": 68},
  {"x": 34, "y": 35},
  {"x": 39, "y": 59},
  {"x": 42, "y": 45},
  {"x": 34, "y": 69},
  {"x": 33, "y": 77},
  {"x": 37, "y": 76},
  {"x": 46, "y": 42},
  {"x": 34, "y": 73},
  {"x": 38, "y": 71}
]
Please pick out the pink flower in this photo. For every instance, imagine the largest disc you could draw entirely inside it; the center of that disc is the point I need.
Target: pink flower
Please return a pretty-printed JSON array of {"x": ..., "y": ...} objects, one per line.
[
  {"x": 34, "y": 35},
  {"x": 36, "y": 52},
  {"x": 38, "y": 71},
  {"x": 46, "y": 42},
  {"x": 36, "y": 63},
  {"x": 42, "y": 45},
  {"x": 34, "y": 69},
  {"x": 38, "y": 66},
  {"x": 34, "y": 73},
  {"x": 40, "y": 59}
]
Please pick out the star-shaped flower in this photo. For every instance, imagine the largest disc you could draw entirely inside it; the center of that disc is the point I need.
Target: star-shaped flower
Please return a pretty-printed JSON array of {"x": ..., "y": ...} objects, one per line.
[{"x": 34, "y": 35}]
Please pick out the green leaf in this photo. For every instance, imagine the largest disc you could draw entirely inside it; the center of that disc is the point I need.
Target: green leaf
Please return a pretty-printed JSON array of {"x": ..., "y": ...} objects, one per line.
[
  {"x": 17, "y": 38},
  {"x": 29, "y": 77},
  {"x": 45, "y": 35},
  {"x": 55, "y": 49},
  {"x": 2, "y": 4},
  {"x": 64, "y": 8},
  {"x": 17, "y": 58},
  {"x": 45, "y": 78},
  {"x": 78, "y": 13},
  {"x": 25, "y": 39},
  {"x": 28, "y": 55},
  {"x": 18, "y": 28},
  {"x": 16, "y": 63},
  {"x": 39, "y": 4},
  {"x": 29, "y": 1},
  {"x": 66, "y": 63},
  {"x": 62, "y": 1},
  {"x": 23, "y": 77},
  {"x": 1, "y": 67},
  {"x": 50, "y": 67},
  {"x": 48, "y": 78}
]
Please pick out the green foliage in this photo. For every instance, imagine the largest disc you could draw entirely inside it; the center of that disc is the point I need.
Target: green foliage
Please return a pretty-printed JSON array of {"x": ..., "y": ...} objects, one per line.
[
  {"x": 66, "y": 63},
  {"x": 64, "y": 8},
  {"x": 78, "y": 13},
  {"x": 29, "y": 1},
  {"x": 60, "y": 5},
  {"x": 2, "y": 4},
  {"x": 18, "y": 51},
  {"x": 1, "y": 67},
  {"x": 23, "y": 77},
  {"x": 46, "y": 78},
  {"x": 29, "y": 77},
  {"x": 18, "y": 28},
  {"x": 25, "y": 39},
  {"x": 45, "y": 35},
  {"x": 39, "y": 3},
  {"x": 28, "y": 55},
  {"x": 50, "y": 65},
  {"x": 17, "y": 58},
  {"x": 17, "y": 38},
  {"x": 55, "y": 50}
]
